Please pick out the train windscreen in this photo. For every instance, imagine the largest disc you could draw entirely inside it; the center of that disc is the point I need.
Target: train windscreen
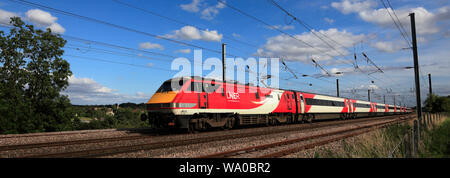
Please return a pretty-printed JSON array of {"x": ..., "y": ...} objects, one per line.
[{"x": 167, "y": 86}]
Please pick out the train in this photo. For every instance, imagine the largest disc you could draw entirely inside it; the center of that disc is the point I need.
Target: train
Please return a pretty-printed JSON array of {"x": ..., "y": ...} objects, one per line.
[{"x": 198, "y": 103}]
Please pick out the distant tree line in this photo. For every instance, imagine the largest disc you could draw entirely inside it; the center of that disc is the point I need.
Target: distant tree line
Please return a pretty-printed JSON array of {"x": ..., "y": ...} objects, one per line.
[
  {"x": 435, "y": 103},
  {"x": 124, "y": 117},
  {"x": 122, "y": 105}
]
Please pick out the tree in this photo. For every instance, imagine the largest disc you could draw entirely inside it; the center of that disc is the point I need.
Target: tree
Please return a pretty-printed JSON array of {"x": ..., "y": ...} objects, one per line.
[
  {"x": 32, "y": 75},
  {"x": 436, "y": 103}
]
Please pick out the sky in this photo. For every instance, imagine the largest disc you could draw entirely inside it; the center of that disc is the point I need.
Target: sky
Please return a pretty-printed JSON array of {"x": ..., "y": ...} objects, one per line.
[{"x": 122, "y": 50}]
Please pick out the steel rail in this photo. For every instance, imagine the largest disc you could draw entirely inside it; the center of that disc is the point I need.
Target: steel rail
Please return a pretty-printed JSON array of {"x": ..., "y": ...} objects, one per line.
[
  {"x": 323, "y": 142},
  {"x": 174, "y": 143},
  {"x": 287, "y": 142}
]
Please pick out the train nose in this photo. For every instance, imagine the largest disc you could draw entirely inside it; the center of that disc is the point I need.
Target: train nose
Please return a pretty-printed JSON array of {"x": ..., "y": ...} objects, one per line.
[{"x": 163, "y": 97}]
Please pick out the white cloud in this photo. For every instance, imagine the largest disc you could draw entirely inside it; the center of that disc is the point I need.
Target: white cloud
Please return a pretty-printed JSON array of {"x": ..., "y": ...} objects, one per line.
[
  {"x": 187, "y": 33},
  {"x": 36, "y": 16},
  {"x": 77, "y": 85},
  {"x": 443, "y": 13},
  {"x": 426, "y": 21},
  {"x": 295, "y": 50},
  {"x": 330, "y": 21},
  {"x": 88, "y": 91},
  {"x": 281, "y": 27},
  {"x": 44, "y": 19},
  {"x": 212, "y": 35},
  {"x": 192, "y": 7},
  {"x": 350, "y": 6},
  {"x": 5, "y": 16},
  {"x": 185, "y": 51},
  {"x": 148, "y": 45},
  {"x": 208, "y": 12},
  {"x": 192, "y": 33},
  {"x": 388, "y": 46},
  {"x": 40, "y": 17},
  {"x": 57, "y": 28}
]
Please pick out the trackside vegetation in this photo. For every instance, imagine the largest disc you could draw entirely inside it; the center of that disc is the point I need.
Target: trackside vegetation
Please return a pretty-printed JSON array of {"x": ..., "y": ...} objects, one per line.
[
  {"x": 437, "y": 142},
  {"x": 32, "y": 75},
  {"x": 391, "y": 142},
  {"x": 388, "y": 142},
  {"x": 375, "y": 144}
]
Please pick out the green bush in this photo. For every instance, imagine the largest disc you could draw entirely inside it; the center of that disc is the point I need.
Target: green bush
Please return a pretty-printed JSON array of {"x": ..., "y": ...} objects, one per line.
[{"x": 435, "y": 104}]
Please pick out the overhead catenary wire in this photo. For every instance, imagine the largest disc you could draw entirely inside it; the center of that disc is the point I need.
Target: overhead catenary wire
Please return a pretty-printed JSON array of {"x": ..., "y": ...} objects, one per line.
[
  {"x": 398, "y": 24},
  {"x": 110, "y": 52},
  {"x": 117, "y": 26},
  {"x": 79, "y": 47},
  {"x": 277, "y": 29},
  {"x": 117, "y": 46},
  {"x": 314, "y": 33},
  {"x": 115, "y": 62},
  {"x": 180, "y": 22},
  {"x": 308, "y": 27},
  {"x": 272, "y": 27},
  {"x": 283, "y": 32},
  {"x": 304, "y": 24},
  {"x": 177, "y": 20}
]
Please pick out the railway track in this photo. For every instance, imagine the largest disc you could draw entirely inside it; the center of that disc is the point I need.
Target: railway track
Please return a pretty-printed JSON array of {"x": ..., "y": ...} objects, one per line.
[
  {"x": 70, "y": 142},
  {"x": 165, "y": 144},
  {"x": 341, "y": 134},
  {"x": 131, "y": 136},
  {"x": 140, "y": 130}
]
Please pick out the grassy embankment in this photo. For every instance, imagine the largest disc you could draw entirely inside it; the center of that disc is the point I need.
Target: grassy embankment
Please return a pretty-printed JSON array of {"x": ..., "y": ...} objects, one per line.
[{"x": 435, "y": 143}]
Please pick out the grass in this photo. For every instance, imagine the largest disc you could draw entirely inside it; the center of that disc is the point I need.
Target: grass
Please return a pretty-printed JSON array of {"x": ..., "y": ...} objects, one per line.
[
  {"x": 376, "y": 144},
  {"x": 435, "y": 143},
  {"x": 86, "y": 119}
]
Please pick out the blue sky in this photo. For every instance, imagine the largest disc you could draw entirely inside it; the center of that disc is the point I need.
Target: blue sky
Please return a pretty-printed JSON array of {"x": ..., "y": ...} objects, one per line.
[{"x": 358, "y": 25}]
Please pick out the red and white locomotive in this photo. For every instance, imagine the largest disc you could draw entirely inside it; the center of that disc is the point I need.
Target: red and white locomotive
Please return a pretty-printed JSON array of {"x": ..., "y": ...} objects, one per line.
[{"x": 198, "y": 103}]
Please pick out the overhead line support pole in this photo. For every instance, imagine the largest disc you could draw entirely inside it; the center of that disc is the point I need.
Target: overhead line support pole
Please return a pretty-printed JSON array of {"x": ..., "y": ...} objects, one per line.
[
  {"x": 429, "y": 84},
  {"x": 223, "y": 62},
  {"x": 416, "y": 76},
  {"x": 337, "y": 87},
  {"x": 416, "y": 67}
]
